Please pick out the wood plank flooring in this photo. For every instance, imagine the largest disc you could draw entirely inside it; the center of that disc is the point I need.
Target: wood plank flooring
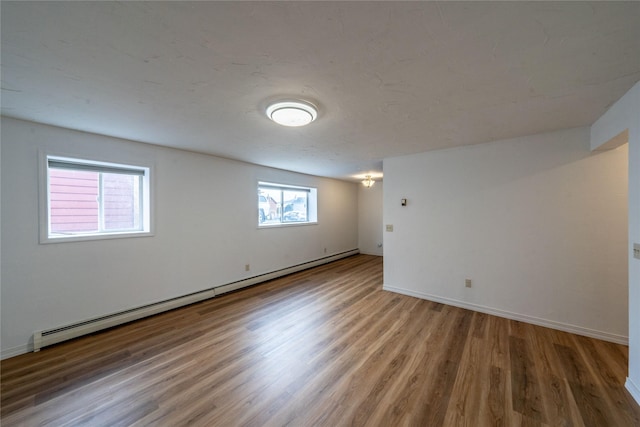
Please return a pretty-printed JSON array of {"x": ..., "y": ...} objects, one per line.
[{"x": 323, "y": 347}]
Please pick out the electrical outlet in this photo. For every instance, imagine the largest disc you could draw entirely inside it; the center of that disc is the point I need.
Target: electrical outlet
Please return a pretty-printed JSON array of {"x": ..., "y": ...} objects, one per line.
[
  {"x": 325, "y": 250},
  {"x": 247, "y": 267},
  {"x": 636, "y": 250},
  {"x": 390, "y": 227},
  {"x": 467, "y": 283}
]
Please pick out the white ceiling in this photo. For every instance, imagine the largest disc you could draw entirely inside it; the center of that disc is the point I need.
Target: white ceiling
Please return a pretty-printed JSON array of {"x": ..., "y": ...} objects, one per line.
[{"x": 390, "y": 78}]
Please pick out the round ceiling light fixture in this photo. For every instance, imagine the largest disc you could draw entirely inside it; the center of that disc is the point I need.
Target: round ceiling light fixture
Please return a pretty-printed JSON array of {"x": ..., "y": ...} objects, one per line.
[{"x": 292, "y": 113}]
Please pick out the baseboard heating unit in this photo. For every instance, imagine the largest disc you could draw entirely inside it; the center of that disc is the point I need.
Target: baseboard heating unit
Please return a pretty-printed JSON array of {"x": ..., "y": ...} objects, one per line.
[{"x": 51, "y": 336}]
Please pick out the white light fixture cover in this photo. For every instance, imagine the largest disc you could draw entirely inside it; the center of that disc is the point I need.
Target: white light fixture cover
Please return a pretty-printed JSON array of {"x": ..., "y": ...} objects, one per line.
[
  {"x": 292, "y": 113},
  {"x": 368, "y": 182}
]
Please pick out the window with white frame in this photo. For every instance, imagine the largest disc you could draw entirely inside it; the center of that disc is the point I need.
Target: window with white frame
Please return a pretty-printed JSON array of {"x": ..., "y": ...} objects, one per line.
[
  {"x": 280, "y": 204},
  {"x": 88, "y": 199}
]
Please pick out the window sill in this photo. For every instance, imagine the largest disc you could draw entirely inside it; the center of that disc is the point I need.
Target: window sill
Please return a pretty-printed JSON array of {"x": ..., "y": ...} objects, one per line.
[
  {"x": 97, "y": 236},
  {"x": 286, "y": 224}
]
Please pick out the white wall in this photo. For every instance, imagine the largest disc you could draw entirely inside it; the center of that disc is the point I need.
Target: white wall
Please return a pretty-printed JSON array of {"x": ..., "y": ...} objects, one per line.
[
  {"x": 624, "y": 115},
  {"x": 205, "y": 232},
  {"x": 538, "y": 223},
  {"x": 370, "y": 219}
]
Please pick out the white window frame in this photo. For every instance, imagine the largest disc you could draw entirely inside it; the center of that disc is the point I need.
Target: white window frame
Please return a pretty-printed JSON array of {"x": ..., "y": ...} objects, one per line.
[
  {"x": 312, "y": 204},
  {"x": 146, "y": 198}
]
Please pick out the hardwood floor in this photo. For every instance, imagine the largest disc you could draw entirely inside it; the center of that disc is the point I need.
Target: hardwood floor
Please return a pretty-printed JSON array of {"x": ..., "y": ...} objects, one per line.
[{"x": 323, "y": 347}]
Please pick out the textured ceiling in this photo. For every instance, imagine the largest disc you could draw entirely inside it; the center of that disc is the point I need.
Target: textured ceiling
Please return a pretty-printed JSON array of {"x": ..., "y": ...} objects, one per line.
[{"x": 390, "y": 78}]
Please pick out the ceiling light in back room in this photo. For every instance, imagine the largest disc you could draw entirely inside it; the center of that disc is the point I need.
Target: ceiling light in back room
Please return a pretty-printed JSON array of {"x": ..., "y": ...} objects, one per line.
[
  {"x": 292, "y": 113},
  {"x": 368, "y": 181}
]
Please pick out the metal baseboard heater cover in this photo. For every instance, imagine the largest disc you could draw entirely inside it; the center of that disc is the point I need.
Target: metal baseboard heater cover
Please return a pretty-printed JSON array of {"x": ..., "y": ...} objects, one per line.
[{"x": 52, "y": 336}]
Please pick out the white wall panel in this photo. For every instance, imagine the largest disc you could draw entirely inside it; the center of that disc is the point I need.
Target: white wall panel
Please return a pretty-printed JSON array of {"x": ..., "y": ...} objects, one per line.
[
  {"x": 370, "y": 235},
  {"x": 624, "y": 116},
  {"x": 538, "y": 223},
  {"x": 205, "y": 213}
]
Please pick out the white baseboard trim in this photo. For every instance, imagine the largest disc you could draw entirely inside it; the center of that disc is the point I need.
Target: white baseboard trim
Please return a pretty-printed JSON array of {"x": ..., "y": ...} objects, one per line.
[
  {"x": 283, "y": 272},
  {"x": 566, "y": 327},
  {"x": 633, "y": 389},
  {"x": 55, "y": 335},
  {"x": 15, "y": 351},
  {"x": 371, "y": 253}
]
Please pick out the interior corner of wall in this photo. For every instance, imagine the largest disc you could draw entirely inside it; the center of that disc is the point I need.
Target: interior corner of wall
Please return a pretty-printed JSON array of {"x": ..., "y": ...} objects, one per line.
[
  {"x": 633, "y": 389},
  {"x": 606, "y": 131},
  {"x": 615, "y": 142}
]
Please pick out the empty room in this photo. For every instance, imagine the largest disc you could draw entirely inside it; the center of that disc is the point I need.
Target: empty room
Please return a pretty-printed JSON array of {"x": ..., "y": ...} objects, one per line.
[{"x": 320, "y": 213}]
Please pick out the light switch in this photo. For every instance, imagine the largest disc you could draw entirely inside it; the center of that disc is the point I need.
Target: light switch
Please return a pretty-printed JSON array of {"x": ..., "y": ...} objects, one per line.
[{"x": 389, "y": 227}]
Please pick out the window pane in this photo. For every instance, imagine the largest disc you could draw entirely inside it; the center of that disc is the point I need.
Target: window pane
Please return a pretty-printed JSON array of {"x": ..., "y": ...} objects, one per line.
[
  {"x": 73, "y": 201},
  {"x": 121, "y": 202},
  {"x": 295, "y": 206},
  {"x": 86, "y": 199},
  {"x": 269, "y": 206},
  {"x": 285, "y": 204}
]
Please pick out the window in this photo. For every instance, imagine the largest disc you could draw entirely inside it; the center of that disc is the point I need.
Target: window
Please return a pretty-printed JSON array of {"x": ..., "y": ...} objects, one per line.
[
  {"x": 87, "y": 200},
  {"x": 285, "y": 204}
]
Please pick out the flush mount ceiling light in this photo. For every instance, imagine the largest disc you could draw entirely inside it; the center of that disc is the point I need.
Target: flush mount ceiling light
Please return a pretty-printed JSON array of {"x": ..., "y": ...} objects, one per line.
[
  {"x": 292, "y": 113},
  {"x": 368, "y": 182}
]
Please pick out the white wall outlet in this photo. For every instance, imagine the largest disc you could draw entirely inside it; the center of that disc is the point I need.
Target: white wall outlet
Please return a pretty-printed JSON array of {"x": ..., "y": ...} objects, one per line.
[
  {"x": 467, "y": 283},
  {"x": 389, "y": 227},
  {"x": 325, "y": 250},
  {"x": 247, "y": 267},
  {"x": 636, "y": 250}
]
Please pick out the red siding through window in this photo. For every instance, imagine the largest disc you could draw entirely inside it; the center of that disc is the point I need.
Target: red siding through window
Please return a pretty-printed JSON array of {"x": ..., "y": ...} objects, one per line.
[{"x": 73, "y": 200}]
